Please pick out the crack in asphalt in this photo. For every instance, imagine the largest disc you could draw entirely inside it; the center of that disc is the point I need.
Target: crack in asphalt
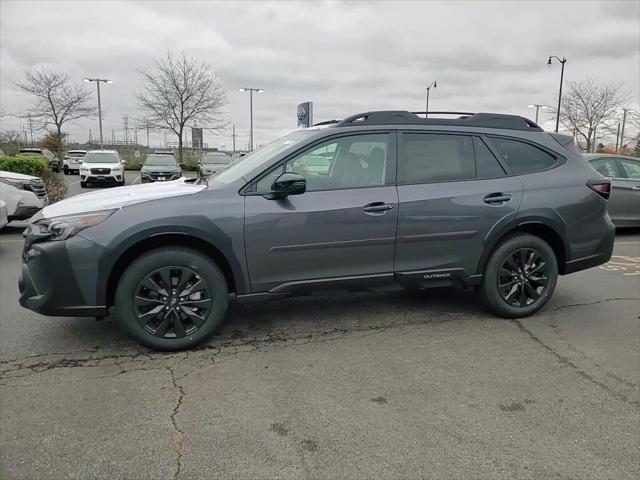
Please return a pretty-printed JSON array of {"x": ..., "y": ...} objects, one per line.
[
  {"x": 564, "y": 360},
  {"x": 597, "y": 302},
  {"x": 179, "y": 446},
  {"x": 225, "y": 347}
]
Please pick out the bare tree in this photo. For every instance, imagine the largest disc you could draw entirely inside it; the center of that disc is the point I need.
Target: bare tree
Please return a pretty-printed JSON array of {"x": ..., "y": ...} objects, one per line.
[
  {"x": 56, "y": 101},
  {"x": 589, "y": 106},
  {"x": 179, "y": 91}
]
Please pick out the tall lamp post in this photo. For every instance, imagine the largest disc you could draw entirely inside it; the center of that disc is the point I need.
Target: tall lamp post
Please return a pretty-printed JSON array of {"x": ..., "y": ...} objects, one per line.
[
  {"x": 429, "y": 87},
  {"x": 562, "y": 61},
  {"x": 251, "y": 90},
  {"x": 98, "y": 80},
  {"x": 537, "y": 106}
]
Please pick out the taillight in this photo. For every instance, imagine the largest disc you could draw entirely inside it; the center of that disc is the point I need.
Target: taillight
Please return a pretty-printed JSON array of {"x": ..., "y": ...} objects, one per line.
[{"x": 601, "y": 187}]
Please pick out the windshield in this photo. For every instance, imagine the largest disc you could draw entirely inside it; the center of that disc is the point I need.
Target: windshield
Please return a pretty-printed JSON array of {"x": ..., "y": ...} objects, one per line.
[
  {"x": 76, "y": 154},
  {"x": 101, "y": 157},
  {"x": 29, "y": 153},
  {"x": 160, "y": 161},
  {"x": 216, "y": 158},
  {"x": 249, "y": 162}
]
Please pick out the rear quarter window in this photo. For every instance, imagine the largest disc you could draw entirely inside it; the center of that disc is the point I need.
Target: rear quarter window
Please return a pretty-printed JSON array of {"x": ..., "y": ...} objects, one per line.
[{"x": 522, "y": 158}]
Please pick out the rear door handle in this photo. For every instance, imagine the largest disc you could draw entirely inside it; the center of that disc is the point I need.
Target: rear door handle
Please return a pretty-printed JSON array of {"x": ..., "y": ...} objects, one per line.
[
  {"x": 496, "y": 198},
  {"x": 377, "y": 207}
]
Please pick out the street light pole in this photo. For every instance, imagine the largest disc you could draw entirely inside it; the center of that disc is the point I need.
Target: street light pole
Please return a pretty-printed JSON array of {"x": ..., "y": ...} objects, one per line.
[
  {"x": 251, "y": 90},
  {"x": 563, "y": 61},
  {"x": 624, "y": 121},
  {"x": 429, "y": 87},
  {"x": 537, "y": 106},
  {"x": 98, "y": 80}
]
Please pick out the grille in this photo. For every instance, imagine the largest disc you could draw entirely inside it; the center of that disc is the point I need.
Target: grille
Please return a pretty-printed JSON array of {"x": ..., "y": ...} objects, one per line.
[
  {"x": 37, "y": 187},
  {"x": 101, "y": 171}
]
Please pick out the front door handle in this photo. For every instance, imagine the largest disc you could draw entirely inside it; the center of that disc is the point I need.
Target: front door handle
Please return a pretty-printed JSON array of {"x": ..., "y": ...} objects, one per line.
[
  {"x": 497, "y": 198},
  {"x": 377, "y": 207}
]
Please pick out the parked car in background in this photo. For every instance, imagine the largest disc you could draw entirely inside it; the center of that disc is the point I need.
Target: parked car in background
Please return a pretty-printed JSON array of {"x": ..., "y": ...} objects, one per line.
[
  {"x": 72, "y": 161},
  {"x": 487, "y": 200},
  {"x": 624, "y": 172},
  {"x": 54, "y": 162},
  {"x": 23, "y": 195},
  {"x": 4, "y": 217},
  {"x": 102, "y": 166},
  {"x": 160, "y": 167},
  {"x": 212, "y": 163}
]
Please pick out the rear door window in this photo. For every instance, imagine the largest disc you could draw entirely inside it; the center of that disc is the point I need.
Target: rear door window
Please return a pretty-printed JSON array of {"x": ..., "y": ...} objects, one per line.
[
  {"x": 487, "y": 165},
  {"x": 433, "y": 158},
  {"x": 631, "y": 168},
  {"x": 606, "y": 167},
  {"x": 522, "y": 158}
]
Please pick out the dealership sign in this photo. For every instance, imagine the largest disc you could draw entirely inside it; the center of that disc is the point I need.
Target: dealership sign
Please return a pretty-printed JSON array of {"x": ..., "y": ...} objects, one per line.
[{"x": 305, "y": 114}]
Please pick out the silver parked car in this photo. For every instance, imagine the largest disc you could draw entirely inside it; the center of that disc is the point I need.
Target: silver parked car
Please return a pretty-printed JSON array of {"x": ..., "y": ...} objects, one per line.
[{"x": 624, "y": 172}]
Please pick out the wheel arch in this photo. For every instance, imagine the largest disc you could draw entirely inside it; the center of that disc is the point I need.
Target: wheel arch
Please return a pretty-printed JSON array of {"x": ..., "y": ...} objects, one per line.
[
  {"x": 544, "y": 228},
  {"x": 167, "y": 240}
]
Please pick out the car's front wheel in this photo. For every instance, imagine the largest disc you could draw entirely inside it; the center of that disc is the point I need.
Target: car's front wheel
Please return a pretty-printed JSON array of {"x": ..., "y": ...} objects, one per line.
[
  {"x": 171, "y": 298},
  {"x": 83, "y": 184},
  {"x": 520, "y": 276}
]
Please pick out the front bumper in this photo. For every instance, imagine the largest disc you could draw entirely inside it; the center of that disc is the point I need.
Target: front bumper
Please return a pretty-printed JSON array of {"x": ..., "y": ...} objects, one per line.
[
  {"x": 90, "y": 178},
  {"x": 24, "y": 212},
  {"x": 58, "y": 278},
  {"x": 146, "y": 177}
]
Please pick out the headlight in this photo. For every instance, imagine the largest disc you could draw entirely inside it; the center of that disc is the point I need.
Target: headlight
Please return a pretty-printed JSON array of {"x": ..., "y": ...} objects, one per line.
[
  {"x": 14, "y": 182},
  {"x": 83, "y": 168},
  {"x": 117, "y": 169},
  {"x": 61, "y": 228}
]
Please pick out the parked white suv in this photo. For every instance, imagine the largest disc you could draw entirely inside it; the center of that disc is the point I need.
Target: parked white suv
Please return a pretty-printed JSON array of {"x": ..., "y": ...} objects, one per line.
[
  {"x": 102, "y": 166},
  {"x": 23, "y": 195},
  {"x": 72, "y": 161}
]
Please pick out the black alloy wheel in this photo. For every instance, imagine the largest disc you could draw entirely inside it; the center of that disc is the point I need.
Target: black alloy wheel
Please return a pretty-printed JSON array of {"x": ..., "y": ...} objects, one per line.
[
  {"x": 522, "y": 278},
  {"x": 172, "y": 302}
]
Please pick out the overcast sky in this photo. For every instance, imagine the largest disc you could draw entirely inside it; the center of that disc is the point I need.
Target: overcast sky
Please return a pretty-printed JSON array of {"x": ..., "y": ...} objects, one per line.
[{"x": 346, "y": 57}]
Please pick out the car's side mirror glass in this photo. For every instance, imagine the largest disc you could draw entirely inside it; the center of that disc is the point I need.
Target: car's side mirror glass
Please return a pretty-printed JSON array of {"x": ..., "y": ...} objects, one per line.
[{"x": 287, "y": 184}]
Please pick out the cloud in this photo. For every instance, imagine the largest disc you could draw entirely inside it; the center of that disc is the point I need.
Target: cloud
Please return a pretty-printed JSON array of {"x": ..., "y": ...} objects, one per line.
[{"x": 345, "y": 56}]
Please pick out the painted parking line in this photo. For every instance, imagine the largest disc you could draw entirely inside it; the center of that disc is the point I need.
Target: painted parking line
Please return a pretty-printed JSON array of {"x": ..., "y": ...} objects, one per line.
[
  {"x": 136, "y": 180},
  {"x": 627, "y": 243},
  {"x": 628, "y": 266},
  {"x": 73, "y": 183}
]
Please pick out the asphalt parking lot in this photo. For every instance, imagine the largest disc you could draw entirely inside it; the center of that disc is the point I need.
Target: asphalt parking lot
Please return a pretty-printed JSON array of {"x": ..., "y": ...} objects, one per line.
[{"x": 395, "y": 385}]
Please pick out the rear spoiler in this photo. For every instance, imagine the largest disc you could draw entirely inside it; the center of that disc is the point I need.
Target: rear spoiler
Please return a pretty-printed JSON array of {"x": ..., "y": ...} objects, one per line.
[{"x": 567, "y": 141}]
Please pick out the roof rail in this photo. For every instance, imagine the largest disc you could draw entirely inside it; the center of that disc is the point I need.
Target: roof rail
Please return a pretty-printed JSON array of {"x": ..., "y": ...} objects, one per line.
[
  {"x": 466, "y": 119},
  {"x": 326, "y": 122},
  {"x": 465, "y": 114}
]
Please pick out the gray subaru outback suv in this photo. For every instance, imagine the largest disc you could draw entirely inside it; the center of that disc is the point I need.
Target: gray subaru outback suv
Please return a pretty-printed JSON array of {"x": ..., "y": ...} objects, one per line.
[{"x": 482, "y": 200}]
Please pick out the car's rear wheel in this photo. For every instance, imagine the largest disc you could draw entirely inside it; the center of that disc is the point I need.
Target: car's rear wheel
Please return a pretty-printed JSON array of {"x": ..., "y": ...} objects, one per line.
[
  {"x": 520, "y": 276},
  {"x": 66, "y": 170},
  {"x": 171, "y": 298}
]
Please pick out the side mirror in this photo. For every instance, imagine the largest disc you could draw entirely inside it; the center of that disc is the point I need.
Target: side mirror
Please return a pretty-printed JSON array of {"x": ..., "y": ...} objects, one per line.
[{"x": 287, "y": 184}]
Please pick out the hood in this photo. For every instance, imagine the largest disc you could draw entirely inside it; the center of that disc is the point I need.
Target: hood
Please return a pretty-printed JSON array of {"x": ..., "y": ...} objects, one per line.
[
  {"x": 16, "y": 176},
  {"x": 215, "y": 167},
  {"x": 118, "y": 197},
  {"x": 111, "y": 165},
  {"x": 160, "y": 168}
]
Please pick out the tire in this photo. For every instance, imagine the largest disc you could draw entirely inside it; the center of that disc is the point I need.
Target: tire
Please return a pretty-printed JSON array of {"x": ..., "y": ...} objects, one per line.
[
  {"x": 164, "y": 324},
  {"x": 83, "y": 184},
  {"x": 122, "y": 182},
  {"x": 66, "y": 170},
  {"x": 509, "y": 254}
]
